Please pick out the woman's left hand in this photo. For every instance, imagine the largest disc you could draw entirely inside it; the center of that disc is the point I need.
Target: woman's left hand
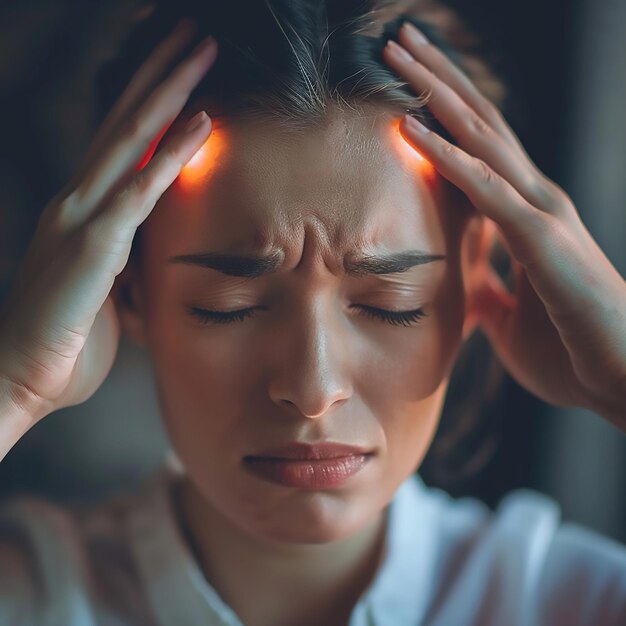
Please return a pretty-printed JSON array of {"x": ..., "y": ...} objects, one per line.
[{"x": 562, "y": 334}]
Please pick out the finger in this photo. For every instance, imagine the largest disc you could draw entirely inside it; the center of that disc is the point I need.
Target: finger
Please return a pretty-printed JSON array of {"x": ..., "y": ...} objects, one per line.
[
  {"x": 495, "y": 310},
  {"x": 117, "y": 230},
  {"x": 442, "y": 66},
  {"x": 141, "y": 84},
  {"x": 133, "y": 204},
  {"x": 520, "y": 221},
  {"x": 95, "y": 254},
  {"x": 469, "y": 129},
  {"x": 493, "y": 305},
  {"x": 162, "y": 106},
  {"x": 507, "y": 326}
]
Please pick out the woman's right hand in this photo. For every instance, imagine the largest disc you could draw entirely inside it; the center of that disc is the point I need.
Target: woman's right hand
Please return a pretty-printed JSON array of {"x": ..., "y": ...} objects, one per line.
[{"x": 59, "y": 330}]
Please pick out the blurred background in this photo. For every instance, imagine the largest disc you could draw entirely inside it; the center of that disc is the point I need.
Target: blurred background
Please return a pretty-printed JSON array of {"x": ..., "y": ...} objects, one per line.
[{"x": 564, "y": 62}]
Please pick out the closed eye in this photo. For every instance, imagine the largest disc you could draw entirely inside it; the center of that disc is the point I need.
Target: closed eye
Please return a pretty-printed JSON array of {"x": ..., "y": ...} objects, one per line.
[{"x": 395, "y": 318}]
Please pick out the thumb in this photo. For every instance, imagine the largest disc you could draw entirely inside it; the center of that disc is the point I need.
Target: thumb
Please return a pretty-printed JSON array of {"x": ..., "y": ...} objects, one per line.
[{"x": 492, "y": 307}]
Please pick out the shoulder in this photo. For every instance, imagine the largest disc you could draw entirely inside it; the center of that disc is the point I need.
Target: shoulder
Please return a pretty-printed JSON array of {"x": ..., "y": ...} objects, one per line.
[
  {"x": 523, "y": 553},
  {"x": 61, "y": 559},
  {"x": 583, "y": 579},
  {"x": 26, "y": 556},
  {"x": 578, "y": 575},
  {"x": 20, "y": 591}
]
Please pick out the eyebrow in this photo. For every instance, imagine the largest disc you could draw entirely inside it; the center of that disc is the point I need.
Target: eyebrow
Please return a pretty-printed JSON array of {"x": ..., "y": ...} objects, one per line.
[{"x": 255, "y": 266}]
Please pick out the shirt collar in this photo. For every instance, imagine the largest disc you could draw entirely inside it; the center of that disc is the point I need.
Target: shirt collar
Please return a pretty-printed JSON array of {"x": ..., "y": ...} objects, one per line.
[
  {"x": 175, "y": 585},
  {"x": 401, "y": 590},
  {"x": 180, "y": 594}
]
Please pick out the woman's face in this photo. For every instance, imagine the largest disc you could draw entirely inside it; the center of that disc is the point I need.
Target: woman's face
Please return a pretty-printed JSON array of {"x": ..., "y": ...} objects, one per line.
[{"x": 308, "y": 364}]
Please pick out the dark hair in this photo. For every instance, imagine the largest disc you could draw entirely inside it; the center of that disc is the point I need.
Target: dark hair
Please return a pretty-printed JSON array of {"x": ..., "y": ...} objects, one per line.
[{"x": 287, "y": 61}]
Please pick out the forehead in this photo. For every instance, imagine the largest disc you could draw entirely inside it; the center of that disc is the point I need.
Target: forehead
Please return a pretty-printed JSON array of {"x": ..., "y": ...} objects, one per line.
[{"x": 256, "y": 186}]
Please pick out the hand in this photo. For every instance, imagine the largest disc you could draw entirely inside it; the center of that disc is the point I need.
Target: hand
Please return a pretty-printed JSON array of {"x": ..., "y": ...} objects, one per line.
[
  {"x": 562, "y": 334},
  {"x": 59, "y": 330}
]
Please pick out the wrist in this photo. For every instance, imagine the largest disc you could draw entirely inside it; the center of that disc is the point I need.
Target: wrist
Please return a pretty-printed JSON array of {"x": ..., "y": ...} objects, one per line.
[{"x": 15, "y": 418}]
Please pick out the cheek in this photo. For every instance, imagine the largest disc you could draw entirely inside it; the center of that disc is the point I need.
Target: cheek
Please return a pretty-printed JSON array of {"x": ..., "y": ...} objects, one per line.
[
  {"x": 212, "y": 371},
  {"x": 409, "y": 433},
  {"x": 408, "y": 397},
  {"x": 195, "y": 373},
  {"x": 195, "y": 365},
  {"x": 407, "y": 365},
  {"x": 199, "y": 382},
  {"x": 209, "y": 378},
  {"x": 406, "y": 385}
]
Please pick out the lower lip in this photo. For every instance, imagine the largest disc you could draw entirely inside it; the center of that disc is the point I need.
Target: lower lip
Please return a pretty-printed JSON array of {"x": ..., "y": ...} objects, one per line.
[{"x": 308, "y": 474}]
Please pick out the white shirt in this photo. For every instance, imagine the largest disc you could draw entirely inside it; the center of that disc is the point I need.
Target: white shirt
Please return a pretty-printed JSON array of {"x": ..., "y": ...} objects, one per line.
[{"x": 449, "y": 562}]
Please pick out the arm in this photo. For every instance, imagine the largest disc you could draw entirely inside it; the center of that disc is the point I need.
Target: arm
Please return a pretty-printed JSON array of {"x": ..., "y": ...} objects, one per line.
[
  {"x": 15, "y": 419},
  {"x": 58, "y": 340},
  {"x": 562, "y": 333},
  {"x": 583, "y": 580}
]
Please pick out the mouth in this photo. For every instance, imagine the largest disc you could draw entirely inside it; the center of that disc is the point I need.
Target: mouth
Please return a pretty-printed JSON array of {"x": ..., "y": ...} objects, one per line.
[
  {"x": 320, "y": 473},
  {"x": 313, "y": 452}
]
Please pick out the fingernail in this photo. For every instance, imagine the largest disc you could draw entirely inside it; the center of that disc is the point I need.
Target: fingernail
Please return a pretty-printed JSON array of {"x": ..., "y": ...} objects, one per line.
[
  {"x": 204, "y": 45},
  {"x": 416, "y": 125},
  {"x": 196, "y": 121},
  {"x": 415, "y": 35},
  {"x": 398, "y": 51}
]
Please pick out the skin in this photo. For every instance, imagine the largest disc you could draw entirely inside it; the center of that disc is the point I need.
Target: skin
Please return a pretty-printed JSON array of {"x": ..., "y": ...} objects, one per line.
[
  {"x": 560, "y": 335},
  {"x": 306, "y": 357},
  {"x": 309, "y": 366}
]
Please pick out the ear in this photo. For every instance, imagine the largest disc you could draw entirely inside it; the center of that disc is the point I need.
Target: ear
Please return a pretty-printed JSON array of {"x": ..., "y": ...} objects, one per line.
[
  {"x": 126, "y": 294},
  {"x": 478, "y": 239}
]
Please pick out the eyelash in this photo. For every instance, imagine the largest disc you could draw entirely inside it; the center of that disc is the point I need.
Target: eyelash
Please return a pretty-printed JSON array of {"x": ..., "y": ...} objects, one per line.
[{"x": 395, "y": 318}]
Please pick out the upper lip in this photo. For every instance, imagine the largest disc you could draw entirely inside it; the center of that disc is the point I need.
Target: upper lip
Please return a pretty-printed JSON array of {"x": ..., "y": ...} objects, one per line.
[{"x": 297, "y": 450}]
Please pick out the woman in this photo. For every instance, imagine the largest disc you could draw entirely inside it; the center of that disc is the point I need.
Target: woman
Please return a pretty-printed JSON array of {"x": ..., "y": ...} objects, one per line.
[{"x": 314, "y": 267}]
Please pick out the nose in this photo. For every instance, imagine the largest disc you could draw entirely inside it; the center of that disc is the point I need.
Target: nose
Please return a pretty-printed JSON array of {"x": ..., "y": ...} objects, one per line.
[{"x": 311, "y": 375}]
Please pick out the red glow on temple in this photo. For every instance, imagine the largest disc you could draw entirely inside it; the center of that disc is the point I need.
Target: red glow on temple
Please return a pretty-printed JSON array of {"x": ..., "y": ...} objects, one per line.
[
  {"x": 202, "y": 163},
  {"x": 410, "y": 155}
]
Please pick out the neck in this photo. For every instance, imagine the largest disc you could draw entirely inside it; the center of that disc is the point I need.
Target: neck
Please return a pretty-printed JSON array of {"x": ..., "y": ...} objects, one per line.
[{"x": 277, "y": 583}]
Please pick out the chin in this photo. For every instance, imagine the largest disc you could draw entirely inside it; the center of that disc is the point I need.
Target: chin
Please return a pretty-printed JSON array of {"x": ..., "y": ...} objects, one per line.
[
  {"x": 303, "y": 536},
  {"x": 315, "y": 518}
]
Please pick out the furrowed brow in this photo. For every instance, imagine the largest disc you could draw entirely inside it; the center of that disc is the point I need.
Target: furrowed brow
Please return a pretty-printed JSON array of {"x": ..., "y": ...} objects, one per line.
[
  {"x": 232, "y": 264},
  {"x": 255, "y": 266},
  {"x": 393, "y": 263}
]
